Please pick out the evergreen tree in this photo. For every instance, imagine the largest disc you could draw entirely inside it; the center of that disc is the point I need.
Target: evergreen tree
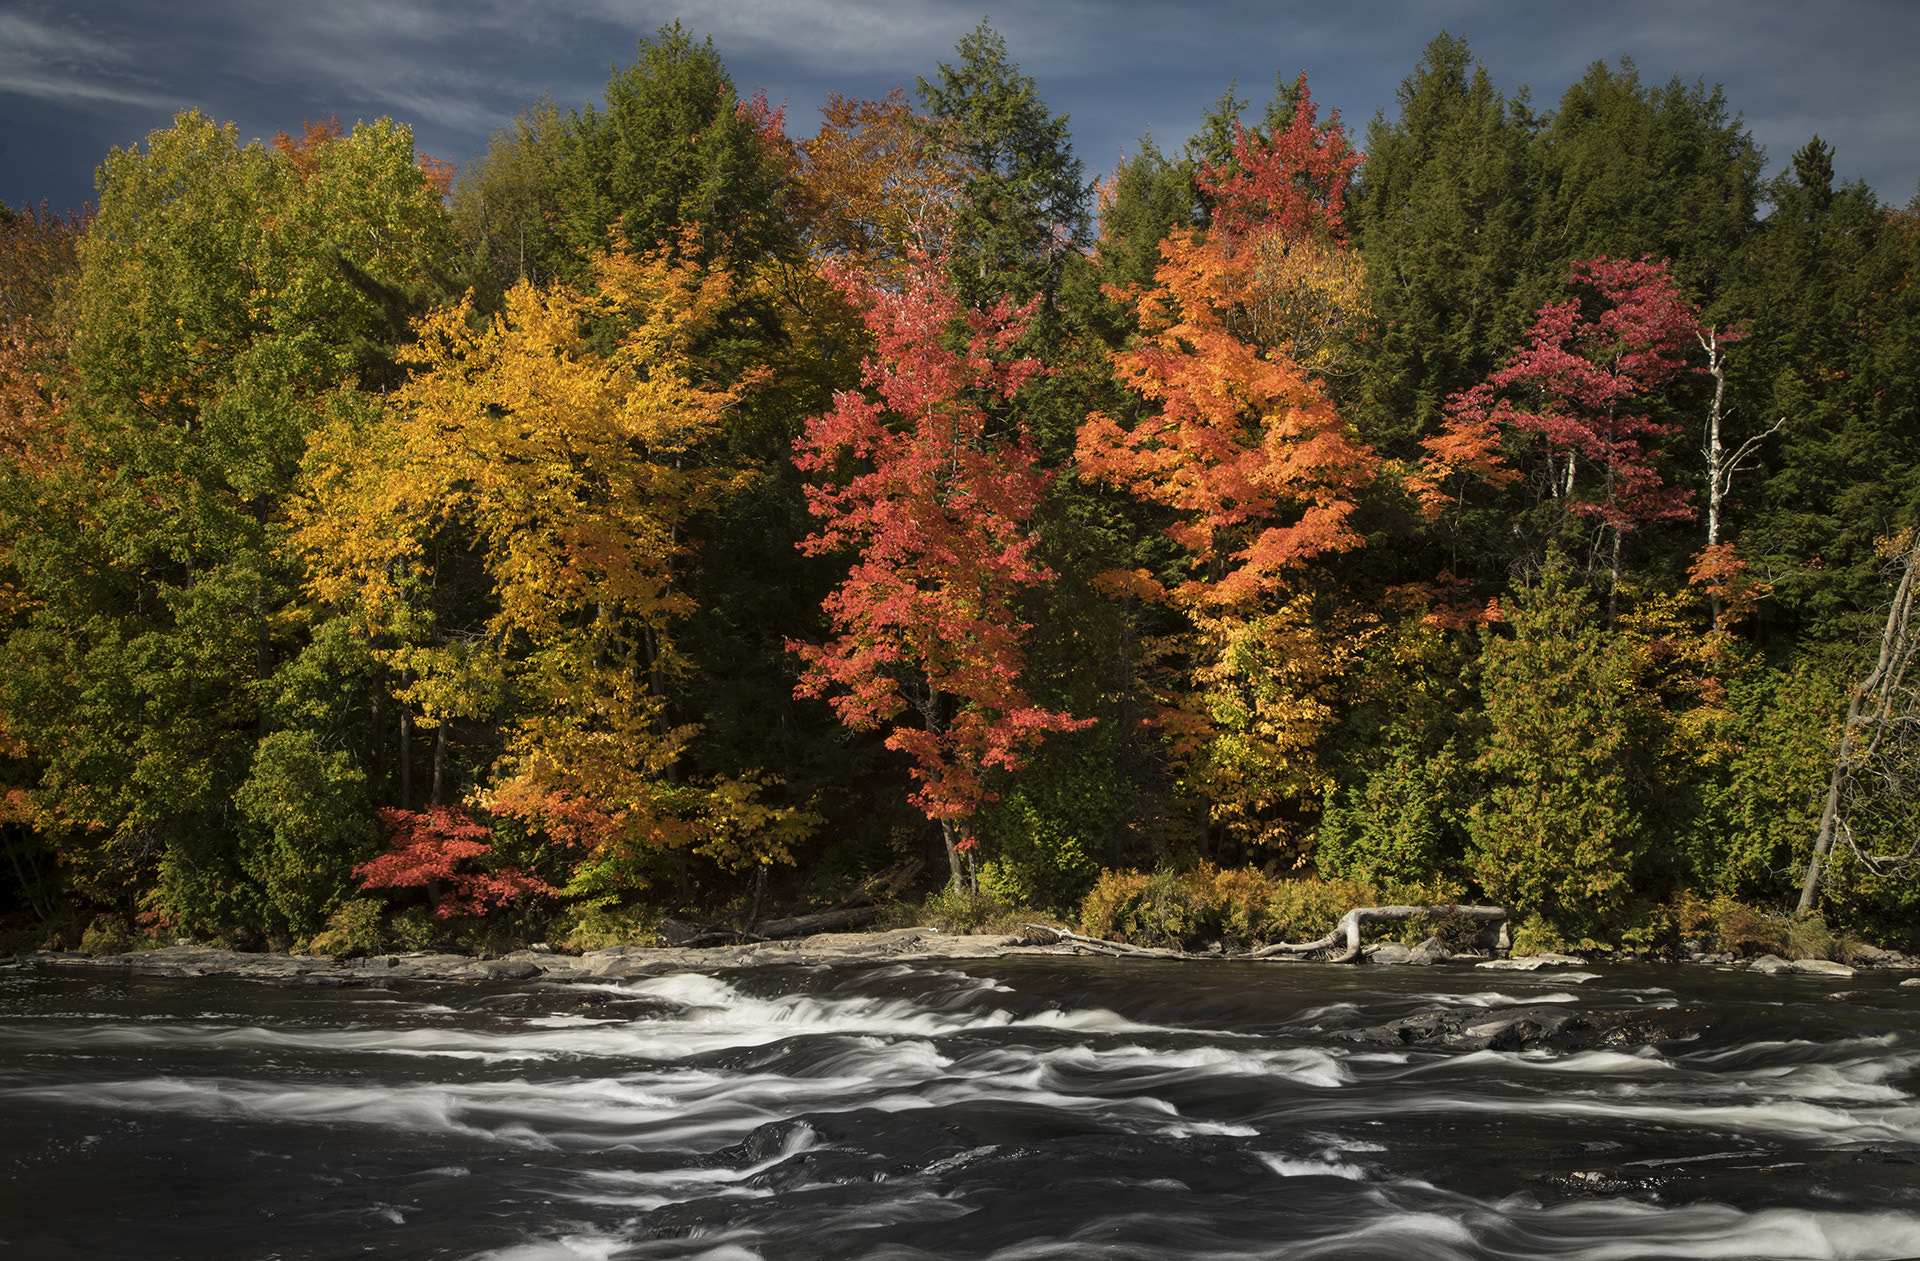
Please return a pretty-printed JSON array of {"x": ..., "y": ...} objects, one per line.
[
  {"x": 1628, "y": 171},
  {"x": 1561, "y": 828},
  {"x": 1022, "y": 207},
  {"x": 673, "y": 146},
  {"x": 1443, "y": 217},
  {"x": 1827, "y": 284}
]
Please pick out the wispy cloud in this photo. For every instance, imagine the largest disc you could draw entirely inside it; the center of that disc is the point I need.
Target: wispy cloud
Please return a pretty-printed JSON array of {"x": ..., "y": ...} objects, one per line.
[{"x": 62, "y": 61}]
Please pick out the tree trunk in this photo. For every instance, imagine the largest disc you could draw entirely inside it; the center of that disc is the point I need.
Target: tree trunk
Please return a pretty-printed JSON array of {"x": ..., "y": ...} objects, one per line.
[
  {"x": 759, "y": 894},
  {"x": 439, "y": 757},
  {"x": 406, "y": 751},
  {"x": 949, "y": 834},
  {"x": 379, "y": 737},
  {"x": 1721, "y": 467}
]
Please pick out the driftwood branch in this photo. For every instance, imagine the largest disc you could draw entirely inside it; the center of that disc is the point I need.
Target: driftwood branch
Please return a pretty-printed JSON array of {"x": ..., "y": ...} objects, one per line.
[
  {"x": 1351, "y": 923},
  {"x": 1095, "y": 943}
]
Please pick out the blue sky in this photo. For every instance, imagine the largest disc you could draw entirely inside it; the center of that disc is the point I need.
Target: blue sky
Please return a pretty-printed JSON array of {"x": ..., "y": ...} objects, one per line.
[{"x": 79, "y": 77}]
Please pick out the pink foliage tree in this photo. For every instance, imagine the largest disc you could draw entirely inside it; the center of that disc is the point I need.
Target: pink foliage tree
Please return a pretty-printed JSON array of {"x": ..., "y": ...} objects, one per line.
[
  {"x": 935, "y": 512},
  {"x": 1583, "y": 384}
]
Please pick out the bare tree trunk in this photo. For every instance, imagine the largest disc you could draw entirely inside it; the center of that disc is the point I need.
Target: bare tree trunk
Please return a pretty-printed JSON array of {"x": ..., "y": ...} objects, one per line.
[
  {"x": 1351, "y": 923},
  {"x": 1896, "y": 647},
  {"x": 406, "y": 751},
  {"x": 379, "y": 737},
  {"x": 759, "y": 894},
  {"x": 1721, "y": 466},
  {"x": 439, "y": 756}
]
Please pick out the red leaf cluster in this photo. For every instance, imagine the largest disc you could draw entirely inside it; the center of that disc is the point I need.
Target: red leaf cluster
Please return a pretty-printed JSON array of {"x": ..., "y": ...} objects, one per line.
[
  {"x": 446, "y": 852},
  {"x": 1581, "y": 384},
  {"x": 935, "y": 510},
  {"x": 1293, "y": 181}
]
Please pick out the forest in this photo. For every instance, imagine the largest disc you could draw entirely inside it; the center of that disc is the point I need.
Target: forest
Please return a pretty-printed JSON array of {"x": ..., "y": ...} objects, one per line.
[{"x": 662, "y": 517}]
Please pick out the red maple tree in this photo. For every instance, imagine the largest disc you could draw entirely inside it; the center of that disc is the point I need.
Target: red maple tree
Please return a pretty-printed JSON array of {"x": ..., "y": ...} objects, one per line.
[
  {"x": 448, "y": 853},
  {"x": 1292, "y": 181},
  {"x": 1583, "y": 384},
  {"x": 936, "y": 515},
  {"x": 1242, "y": 440}
]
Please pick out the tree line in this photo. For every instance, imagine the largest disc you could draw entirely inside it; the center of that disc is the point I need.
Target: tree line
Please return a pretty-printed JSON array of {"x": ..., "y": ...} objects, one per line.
[{"x": 663, "y": 513}]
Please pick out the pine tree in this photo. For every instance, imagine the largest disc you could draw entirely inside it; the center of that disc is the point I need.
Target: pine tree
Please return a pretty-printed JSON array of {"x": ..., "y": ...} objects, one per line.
[
  {"x": 1827, "y": 283},
  {"x": 1443, "y": 217},
  {"x": 1022, "y": 206}
]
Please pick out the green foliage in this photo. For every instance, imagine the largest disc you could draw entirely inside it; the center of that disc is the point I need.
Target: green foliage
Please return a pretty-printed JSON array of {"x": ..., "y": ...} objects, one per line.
[
  {"x": 671, "y": 148},
  {"x": 1023, "y": 197},
  {"x": 1761, "y": 779},
  {"x": 1827, "y": 284},
  {"x": 506, "y": 203},
  {"x": 107, "y": 935},
  {"x": 955, "y": 909},
  {"x": 224, "y": 291},
  {"x": 1041, "y": 858},
  {"x": 1443, "y": 216},
  {"x": 587, "y": 926},
  {"x": 1627, "y": 170},
  {"x": 1401, "y": 825},
  {"x": 308, "y": 826},
  {"x": 1560, "y": 829},
  {"x": 356, "y": 927}
]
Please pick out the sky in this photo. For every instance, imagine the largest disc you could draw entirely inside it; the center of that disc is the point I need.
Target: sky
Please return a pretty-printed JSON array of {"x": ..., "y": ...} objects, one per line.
[{"x": 80, "y": 77}]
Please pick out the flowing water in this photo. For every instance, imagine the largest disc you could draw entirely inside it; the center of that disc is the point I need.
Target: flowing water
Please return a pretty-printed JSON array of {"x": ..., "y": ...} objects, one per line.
[{"x": 1013, "y": 1108}]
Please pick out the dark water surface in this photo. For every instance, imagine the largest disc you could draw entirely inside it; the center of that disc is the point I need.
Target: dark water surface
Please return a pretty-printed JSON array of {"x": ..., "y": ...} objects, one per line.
[{"x": 1014, "y": 1108}]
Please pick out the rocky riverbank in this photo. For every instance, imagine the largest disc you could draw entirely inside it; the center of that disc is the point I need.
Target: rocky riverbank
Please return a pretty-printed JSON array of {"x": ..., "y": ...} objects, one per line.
[{"x": 900, "y": 945}]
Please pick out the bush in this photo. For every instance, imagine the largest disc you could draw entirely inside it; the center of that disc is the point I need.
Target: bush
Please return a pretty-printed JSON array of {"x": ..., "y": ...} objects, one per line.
[
  {"x": 596, "y": 927},
  {"x": 357, "y": 928},
  {"x": 1244, "y": 905},
  {"x": 1396, "y": 825},
  {"x": 1809, "y": 938},
  {"x": 1744, "y": 930},
  {"x": 1561, "y": 826},
  {"x": 107, "y": 935},
  {"x": 954, "y": 910}
]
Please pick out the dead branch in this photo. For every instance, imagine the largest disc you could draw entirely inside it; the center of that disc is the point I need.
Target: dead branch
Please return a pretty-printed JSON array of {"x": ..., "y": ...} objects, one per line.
[{"x": 1112, "y": 947}]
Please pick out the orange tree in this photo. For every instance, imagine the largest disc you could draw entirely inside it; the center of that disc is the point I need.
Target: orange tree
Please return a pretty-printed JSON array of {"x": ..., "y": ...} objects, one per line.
[{"x": 1240, "y": 440}]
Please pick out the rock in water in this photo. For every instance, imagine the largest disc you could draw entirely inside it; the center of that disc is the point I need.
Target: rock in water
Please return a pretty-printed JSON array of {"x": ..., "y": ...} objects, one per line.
[{"x": 1530, "y": 963}]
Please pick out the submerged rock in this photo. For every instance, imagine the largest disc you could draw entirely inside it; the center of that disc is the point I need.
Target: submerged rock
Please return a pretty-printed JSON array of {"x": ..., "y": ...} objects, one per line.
[
  {"x": 1819, "y": 967},
  {"x": 1532, "y": 963},
  {"x": 1516, "y": 1029}
]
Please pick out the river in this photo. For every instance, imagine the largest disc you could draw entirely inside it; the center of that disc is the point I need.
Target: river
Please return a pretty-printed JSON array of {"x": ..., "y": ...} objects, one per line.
[{"x": 1007, "y": 1108}]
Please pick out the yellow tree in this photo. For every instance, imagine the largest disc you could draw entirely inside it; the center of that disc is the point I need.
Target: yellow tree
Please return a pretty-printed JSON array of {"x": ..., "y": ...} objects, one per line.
[{"x": 569, "y": 471}]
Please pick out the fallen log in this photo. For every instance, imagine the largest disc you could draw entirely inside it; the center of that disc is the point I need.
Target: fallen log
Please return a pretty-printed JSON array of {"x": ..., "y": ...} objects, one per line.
[
  {"x": 820, "y": 922},
  {"x": 1095, "y": 943},
  {"x": 1350, "y": 924}
]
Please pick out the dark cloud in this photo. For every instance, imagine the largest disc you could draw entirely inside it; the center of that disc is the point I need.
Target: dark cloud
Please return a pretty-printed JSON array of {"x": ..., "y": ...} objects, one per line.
[{"x": 74, "y": 83}]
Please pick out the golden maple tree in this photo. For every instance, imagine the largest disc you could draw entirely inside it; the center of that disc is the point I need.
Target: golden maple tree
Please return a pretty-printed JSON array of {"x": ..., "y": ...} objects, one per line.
[{"x": 571, "y": 470}]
